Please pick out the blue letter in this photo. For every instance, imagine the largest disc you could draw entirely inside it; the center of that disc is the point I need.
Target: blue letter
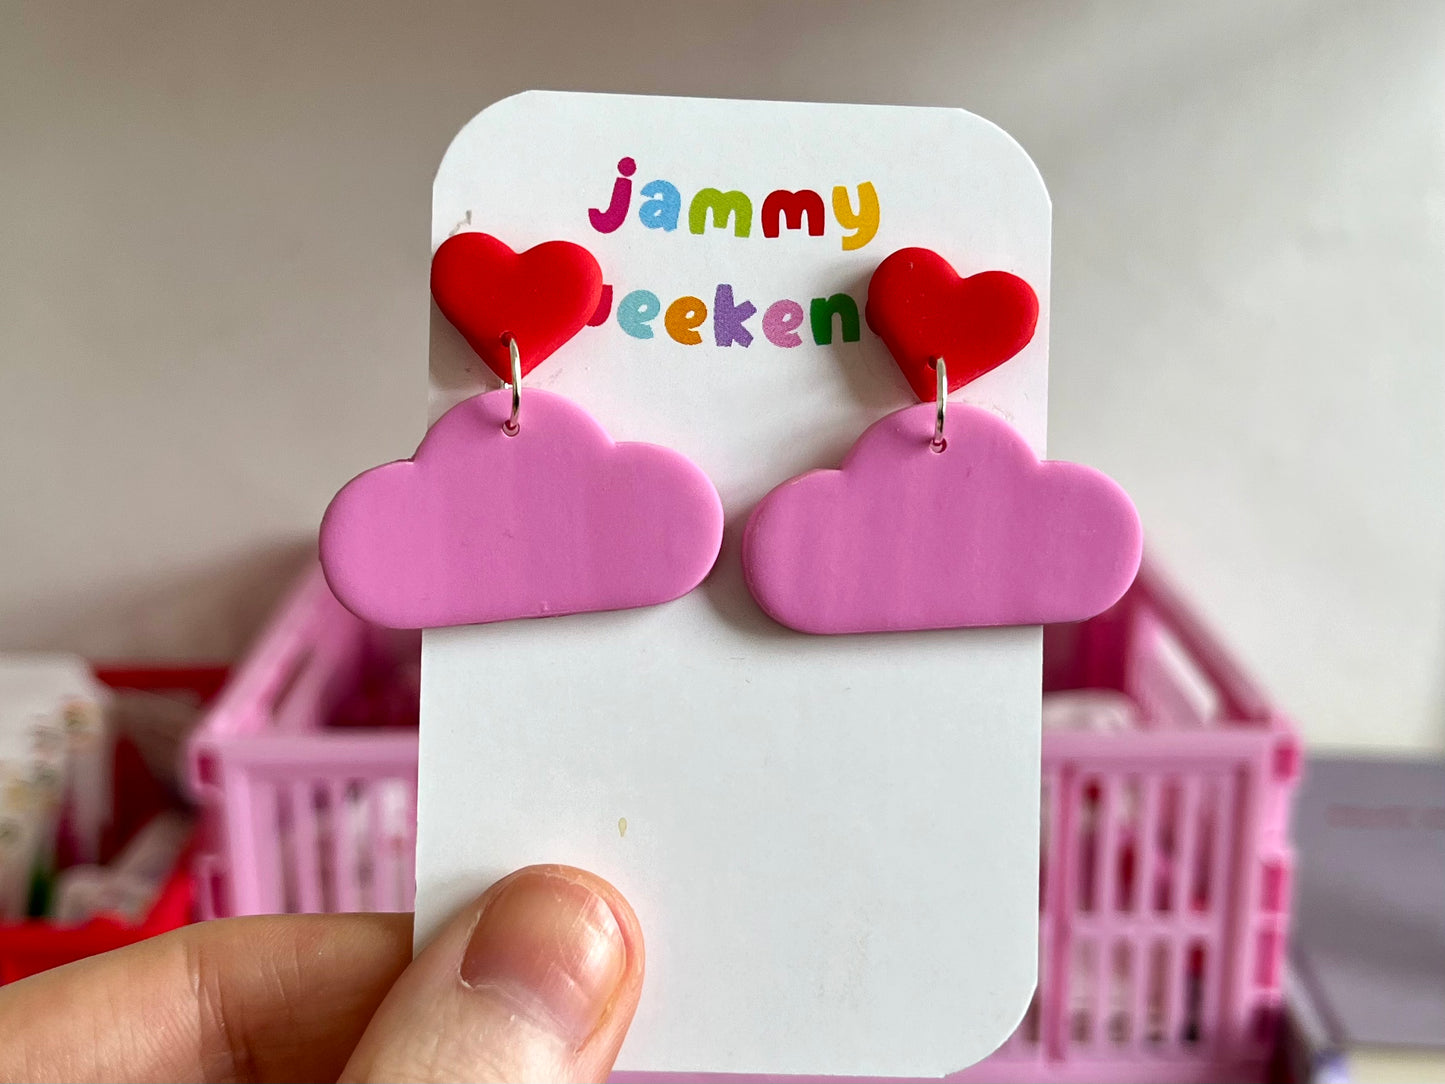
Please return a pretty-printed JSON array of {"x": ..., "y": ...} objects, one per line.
[
  {"x": 662, "y": 211},
  {"x": 635, "y": 310}
]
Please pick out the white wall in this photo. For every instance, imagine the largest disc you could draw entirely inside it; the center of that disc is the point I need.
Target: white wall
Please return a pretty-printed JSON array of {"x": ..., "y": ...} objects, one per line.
[{"x": 213, "y": 254}]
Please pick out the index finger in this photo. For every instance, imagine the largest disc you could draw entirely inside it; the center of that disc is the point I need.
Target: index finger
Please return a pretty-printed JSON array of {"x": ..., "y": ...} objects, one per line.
[{"x": 268, "y": 998}]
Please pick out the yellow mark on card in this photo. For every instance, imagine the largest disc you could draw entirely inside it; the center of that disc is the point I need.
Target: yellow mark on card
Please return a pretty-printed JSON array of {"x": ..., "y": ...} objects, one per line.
[{"x": 622, "y": 826}]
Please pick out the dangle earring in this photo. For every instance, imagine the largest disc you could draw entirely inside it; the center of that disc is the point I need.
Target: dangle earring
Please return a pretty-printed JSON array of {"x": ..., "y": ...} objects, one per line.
[
  {"x": 942, "y": 518},
  {"x": 518, "y": 505}
]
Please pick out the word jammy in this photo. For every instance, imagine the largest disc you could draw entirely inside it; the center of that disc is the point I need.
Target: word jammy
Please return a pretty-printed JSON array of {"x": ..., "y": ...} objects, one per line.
[
  {"x": 783, "y": 320},
  {"x": 662, "y": 210}
]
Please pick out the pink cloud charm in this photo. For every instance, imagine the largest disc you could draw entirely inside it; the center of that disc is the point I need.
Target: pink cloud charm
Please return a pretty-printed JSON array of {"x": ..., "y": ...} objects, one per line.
[
  {"x": 902, "y": 537},
  {"x": 480, "y": 526}
]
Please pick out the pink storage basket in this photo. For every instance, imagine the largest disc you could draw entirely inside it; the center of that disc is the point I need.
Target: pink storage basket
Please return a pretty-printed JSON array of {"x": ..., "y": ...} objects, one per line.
[
  {"x": 1165, "y": 867},
  {"x": 307, "y": 796},
  {"x": 1165, "y": 862}
]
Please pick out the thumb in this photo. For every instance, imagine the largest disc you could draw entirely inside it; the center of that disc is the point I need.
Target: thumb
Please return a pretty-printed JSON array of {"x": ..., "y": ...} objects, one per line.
[{"x": 537, "y": 980}]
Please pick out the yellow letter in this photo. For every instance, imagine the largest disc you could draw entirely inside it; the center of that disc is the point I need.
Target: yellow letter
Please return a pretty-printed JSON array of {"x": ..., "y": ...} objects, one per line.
[
  {"x": 723, "y": 204},
  {"x": 864, "y": 223}
]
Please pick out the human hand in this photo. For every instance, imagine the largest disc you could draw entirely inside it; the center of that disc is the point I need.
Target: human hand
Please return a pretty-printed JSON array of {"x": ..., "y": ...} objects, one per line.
[{"x": 535, "y": 980}]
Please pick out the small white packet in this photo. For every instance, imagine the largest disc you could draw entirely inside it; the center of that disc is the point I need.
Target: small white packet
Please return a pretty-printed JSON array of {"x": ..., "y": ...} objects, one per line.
[
  {"x": 19, "y": 836},
  {"x": 53, "y": 718},
  {"x": 130, "y": 885}
]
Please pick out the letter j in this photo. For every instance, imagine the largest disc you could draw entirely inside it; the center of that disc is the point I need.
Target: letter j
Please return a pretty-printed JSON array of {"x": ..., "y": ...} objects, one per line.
[{"x": 616, "y": 213}]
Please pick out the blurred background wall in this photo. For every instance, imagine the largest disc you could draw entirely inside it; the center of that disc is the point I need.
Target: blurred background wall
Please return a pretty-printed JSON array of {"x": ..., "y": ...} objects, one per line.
[{"x": 213, "y": 306}]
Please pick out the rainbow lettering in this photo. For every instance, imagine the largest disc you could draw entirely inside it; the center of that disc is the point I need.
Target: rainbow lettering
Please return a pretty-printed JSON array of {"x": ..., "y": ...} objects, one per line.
[
  {"x": 662, "y": 209},
  {"x": 780, "y": 322},
  {"x": 731, "y": 211}
]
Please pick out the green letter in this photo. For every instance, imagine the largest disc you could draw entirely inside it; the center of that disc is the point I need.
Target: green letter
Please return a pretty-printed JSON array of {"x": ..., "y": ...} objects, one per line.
[
  {"x": 822, "y": 313},
  {"x": 723, "y": 204}
]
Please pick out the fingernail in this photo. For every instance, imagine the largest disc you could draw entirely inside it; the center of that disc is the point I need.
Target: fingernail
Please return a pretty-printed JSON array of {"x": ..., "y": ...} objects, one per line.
[{"x": 552, "y": 948}]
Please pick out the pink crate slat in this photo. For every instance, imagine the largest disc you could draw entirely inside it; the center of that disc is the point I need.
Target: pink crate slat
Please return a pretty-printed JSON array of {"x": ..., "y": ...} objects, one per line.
[
  {"x": 1188, "y": 751},
  {"x": 326, "y": 873},
  {"x": 1025, "y": 1042},
  {"x": 1121, "y": 1070},
  {"x": 409, "y": 850},
  {"x": 1059, "y": 912},
  {"x": 1243, "y": 701},
  {"x": 1140, "y": 1042},
  {"x": 1049, "y": 828},
  {"x": 1097, "y": 996},
  {"x": 1104, "y": 850},
  {"x": 1205, "y": 847},
  {"x": 1110, "y": 846},
  {"x": 1150, "y": 685},
  {"x": 1163, "y": 994},
  {"x": 308, "y": 866},
  {"x": 1144, "y": 847},
  {"x": 379, "y": 894},
  {"x": 266, "y": 818},
  {"x": 209, "y": 880},
  {"x": 1101, "y": 994},
  {"x": 1186, "y": 836},
  {"x": 273, "y": 779},
  {"x": 1129, "y": 1019},
  {"x": 308, "y": 617},
  {"x": 368, "y": 856},
  {"x": 356, "y": 837},
  {"x": 1130, "y": 1001},
  {"x": 286, "y": 846},
  {"x": 1240, "y": 995},
  {"x": 378, "y": 754},
  {"x": 1044, "y": 1039},
  {"x": 1085, "y": 1007},
  {"x": 343, "y": 848},
  {"x": 1083, "y": 842},
  {"x": 1226, "y": 837},
  {"x": 1121, "y": 965},
  {"x": 389, "y": 840},
  {"x": 1121, "y": 994},
  {"x": 303, "y": 693},
  {"x": 1186, "y": 823},
  {"x": 244, "y": 842}
]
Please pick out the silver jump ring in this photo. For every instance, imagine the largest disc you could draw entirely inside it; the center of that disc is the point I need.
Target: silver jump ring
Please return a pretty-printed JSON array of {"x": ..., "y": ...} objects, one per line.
[
  {"x": 512, "y": 426},
  {"x": 939, "y": 443}
]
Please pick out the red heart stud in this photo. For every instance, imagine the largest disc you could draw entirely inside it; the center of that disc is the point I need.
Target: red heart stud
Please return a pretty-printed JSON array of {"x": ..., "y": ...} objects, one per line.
[
  {"x": 541, "y": 297},
  {"x": 920, "y": 307}
]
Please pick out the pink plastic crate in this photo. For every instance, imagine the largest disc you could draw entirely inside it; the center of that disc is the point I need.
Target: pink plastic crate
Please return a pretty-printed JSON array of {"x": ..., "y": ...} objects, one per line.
[
  {"x": 307, "y": 795},
  {"x": 1165, "y": 869}
]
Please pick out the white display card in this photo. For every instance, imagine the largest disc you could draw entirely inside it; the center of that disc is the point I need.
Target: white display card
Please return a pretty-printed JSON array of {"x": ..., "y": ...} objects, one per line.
[{"x": 831, "y": 841}]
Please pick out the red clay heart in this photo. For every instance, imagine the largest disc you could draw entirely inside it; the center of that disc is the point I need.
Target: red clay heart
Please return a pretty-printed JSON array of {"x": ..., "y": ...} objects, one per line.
[
  {"x": 541, "y": 297},
  {"x": 920, "y": 307}
]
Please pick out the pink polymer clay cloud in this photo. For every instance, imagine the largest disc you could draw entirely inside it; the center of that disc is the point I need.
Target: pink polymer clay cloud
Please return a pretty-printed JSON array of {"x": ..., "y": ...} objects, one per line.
[
  {"x": 902, "y": 537},
  {"x": 480, "y": 526}
]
